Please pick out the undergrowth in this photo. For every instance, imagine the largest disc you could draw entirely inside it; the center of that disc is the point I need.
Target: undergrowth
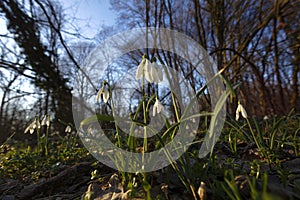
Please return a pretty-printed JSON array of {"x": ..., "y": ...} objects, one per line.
[{"x": 239, "y": 167}]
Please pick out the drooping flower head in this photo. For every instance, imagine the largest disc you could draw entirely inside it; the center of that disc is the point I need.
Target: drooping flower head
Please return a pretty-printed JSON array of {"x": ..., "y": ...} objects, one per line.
[
  {"x": 240, "y": 109},
  {"x": 157, "y": 107},
  {"x": 46, "y": 121},
  {"x": 141, "y": 67},
  {"x": 31, "y": 128},
  {"x": 202, "y": 191},
  {"x": 156, "y": 72},
  {"x": 103, "y": 92},
  {"x": 150, "y": 70},
  {"x": 68, "y": 129}
]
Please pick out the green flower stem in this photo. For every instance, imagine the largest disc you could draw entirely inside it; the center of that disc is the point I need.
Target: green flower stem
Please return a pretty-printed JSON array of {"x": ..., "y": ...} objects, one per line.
[
  {"x": 46, "y": 141},
  {"x": 38, "y": 140},
  {"x": 147, "y": 186},
  {"x": 174, "y": 165},
  {"x": 175, "y": 107},
  {"x": 114, "y": 114},
  {"x": 145, "y": 145},
  {"x": 254, "y": 137}
]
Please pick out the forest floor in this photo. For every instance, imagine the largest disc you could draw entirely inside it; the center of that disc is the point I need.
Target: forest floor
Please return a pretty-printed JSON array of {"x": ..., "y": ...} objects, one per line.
[{"x": 69, "y": 171}]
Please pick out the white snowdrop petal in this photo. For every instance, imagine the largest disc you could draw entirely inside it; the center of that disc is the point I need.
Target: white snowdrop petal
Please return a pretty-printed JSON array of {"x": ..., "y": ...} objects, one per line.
[
  {"x": 240, "y": 109},
  {"x": 157, "y": 108},
  {"x": 68, "y": 129},
  {"x": 27, "y": 129},
  {"x": 99, "y": 94},
  {"x": 148, "y": 68},
  {"x": 139, "y": 71},
  {"x": 158, "y": 72},
  {"x": 154, "y": 110},
  {"x": 237, "y": 116},
  {"x": 105, "y": 96},
  {"x": 154, "y": 75},
  {"x": 48, "y": 122},
  {"x": 44, "y": 120},
  {"x": 244, "y": 112}
]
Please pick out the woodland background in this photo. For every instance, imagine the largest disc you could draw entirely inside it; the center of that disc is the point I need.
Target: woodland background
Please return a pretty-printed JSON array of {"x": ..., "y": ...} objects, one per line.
[{"x": 258, "y": 42}]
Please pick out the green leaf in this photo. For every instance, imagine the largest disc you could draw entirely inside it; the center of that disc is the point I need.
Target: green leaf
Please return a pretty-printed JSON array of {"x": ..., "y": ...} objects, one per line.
[
  {"x": 217, "y": 109},
  {"x": 96, "y": 117},
  {"x": 107, "y": 118}
]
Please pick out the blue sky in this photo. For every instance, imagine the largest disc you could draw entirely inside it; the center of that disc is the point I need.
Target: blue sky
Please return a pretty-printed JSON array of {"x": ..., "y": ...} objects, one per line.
[{"x": 90, "y": 14}]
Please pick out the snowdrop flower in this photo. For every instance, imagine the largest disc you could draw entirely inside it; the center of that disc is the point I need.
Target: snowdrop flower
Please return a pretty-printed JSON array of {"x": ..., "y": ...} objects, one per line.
[
  {"x": 156, "y": 73},
  {"x": 266, "y": 118},
  {"x": 31, "y": 127},
  {"x": 152, "y": 72},
  {"x": 45, "y": 121},
  {"x": 240, "y": 109},
  {"x": 158, "y": 107},
  {"x": 104, "y": 92},
  {"x": 148, "y": 71},
  {"x": 68, "y": 129},
  {"x": 202, "y": 191},
  {"x": 38, "y": 124},
  {"x": 142, "y": 67}
]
